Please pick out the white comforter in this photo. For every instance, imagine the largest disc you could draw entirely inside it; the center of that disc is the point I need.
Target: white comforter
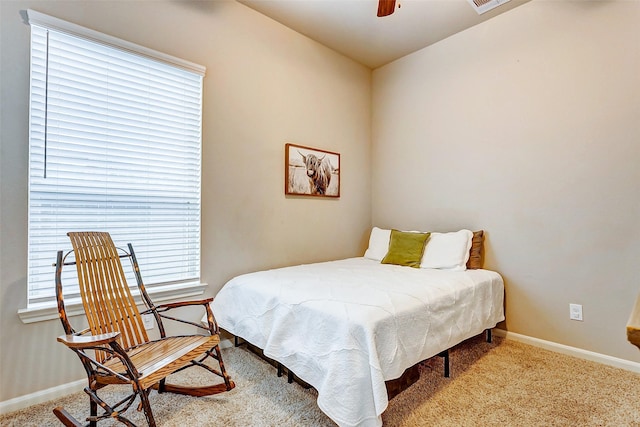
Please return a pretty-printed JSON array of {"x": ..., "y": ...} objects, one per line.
[{"x": 347, "y": 326}]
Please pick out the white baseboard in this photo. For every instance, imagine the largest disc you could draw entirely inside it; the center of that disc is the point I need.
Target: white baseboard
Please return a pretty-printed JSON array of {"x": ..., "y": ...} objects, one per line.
[
  {"x": 571, "y": 351},
  {"x": 41, "y": 396}
]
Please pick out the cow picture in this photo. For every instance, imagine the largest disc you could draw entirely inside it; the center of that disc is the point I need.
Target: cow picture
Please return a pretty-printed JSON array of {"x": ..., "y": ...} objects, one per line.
[{"x": 311, "y": 172}]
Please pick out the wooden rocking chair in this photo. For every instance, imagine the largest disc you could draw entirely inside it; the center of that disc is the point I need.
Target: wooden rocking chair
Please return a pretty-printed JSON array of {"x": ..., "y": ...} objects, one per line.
[{"x": 115, "y": 348}]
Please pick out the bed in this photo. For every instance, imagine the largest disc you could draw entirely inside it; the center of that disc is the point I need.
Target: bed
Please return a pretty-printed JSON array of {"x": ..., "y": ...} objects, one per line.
[{"x": 347, "y": 326}]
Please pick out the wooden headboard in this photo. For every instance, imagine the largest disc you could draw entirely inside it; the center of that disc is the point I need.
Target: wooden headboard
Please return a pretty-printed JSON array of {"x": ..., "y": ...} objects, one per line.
[
  {"x": 476, "y": 253},
  {"x": 633, "y": 326}
]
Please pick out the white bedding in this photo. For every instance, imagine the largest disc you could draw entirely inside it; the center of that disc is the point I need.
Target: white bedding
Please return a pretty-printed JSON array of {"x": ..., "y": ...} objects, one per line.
[{"x": 347, "y": 326}]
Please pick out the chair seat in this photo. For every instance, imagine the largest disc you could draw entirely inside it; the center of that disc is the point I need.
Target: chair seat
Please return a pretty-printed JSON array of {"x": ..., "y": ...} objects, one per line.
[{"x": 155, "y": 360}]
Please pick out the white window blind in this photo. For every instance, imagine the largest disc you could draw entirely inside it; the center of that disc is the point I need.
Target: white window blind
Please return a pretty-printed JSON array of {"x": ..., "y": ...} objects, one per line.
[{"x": 115, "y": 145}]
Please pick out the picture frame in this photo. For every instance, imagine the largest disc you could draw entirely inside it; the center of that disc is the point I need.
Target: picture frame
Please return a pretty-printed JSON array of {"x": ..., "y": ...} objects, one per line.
[{"x": 311, "y": 172}]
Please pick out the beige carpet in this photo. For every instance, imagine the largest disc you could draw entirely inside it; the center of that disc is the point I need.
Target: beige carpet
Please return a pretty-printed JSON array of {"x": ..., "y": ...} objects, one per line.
[{"x": 505, "y": 383}]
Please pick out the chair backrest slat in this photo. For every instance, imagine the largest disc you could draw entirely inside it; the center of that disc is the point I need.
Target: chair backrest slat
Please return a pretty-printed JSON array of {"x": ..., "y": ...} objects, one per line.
[{"x": 106, "y": 297}]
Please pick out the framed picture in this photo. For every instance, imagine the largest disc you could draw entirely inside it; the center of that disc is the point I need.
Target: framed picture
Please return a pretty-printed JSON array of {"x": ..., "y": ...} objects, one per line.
[{"x": 311, "y": 172}]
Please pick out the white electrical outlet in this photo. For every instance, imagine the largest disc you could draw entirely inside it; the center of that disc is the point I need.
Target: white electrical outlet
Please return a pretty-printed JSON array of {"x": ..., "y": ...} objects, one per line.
[
  {"x": 575, "y": 312},
  {"x": 147, "y": 319}
]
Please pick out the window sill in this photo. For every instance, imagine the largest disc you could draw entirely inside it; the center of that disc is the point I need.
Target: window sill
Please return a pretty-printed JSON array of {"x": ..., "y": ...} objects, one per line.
[{"x": 49, "y": 311}]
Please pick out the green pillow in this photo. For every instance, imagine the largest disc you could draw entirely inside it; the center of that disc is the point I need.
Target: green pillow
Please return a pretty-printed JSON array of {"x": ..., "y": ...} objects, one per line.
[{"x": 405, "y": 248}]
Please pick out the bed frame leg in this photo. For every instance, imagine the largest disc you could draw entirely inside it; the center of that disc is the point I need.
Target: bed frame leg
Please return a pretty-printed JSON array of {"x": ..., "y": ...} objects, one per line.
[
  {"x": 289, "y": 373},
  {"x": 488, "y": 335},
  {"x": 445, "y": 356}
]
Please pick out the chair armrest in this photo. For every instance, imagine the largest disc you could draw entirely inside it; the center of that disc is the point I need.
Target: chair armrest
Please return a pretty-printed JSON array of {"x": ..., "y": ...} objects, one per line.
[
  {"x": 88, "y": 341},
  {"x": 161, "y": 309},
  {"x": 171, "y": 305},
  {"x": 633, "y": 326}
]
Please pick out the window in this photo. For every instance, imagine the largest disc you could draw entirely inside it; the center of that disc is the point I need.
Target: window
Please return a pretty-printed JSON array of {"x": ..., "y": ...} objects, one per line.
[{"x": 115, "y": 145}]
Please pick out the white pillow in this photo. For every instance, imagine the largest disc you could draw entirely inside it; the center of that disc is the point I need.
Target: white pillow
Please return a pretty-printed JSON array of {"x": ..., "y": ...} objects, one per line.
[
  {"x": 447, "y": 251},
  {"x": 378, "y": 244}
]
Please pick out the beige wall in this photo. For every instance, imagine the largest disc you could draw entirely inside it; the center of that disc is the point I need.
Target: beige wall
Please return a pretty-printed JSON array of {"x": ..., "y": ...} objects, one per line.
[
  {"x": 527, "y": 126},
  {"x": 265, "y": 85}
]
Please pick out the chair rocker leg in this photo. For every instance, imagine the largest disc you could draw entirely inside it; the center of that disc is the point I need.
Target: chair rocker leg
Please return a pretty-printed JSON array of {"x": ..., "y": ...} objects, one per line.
[
  {"x": 66, "y": 418},
  {"x": 195, "y": 391}
]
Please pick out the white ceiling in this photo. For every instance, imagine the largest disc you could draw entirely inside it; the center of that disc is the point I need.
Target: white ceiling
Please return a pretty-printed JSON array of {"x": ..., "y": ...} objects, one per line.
[{"x": 352, "y": 27}]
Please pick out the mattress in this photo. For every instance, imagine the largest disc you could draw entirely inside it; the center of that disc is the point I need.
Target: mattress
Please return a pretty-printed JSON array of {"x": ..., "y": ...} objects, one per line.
[{"x": 347, "y": 326}]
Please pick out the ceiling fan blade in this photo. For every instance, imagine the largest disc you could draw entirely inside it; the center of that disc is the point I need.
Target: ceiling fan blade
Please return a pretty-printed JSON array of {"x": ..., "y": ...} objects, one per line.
[{"x": 386, "y": 7}]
